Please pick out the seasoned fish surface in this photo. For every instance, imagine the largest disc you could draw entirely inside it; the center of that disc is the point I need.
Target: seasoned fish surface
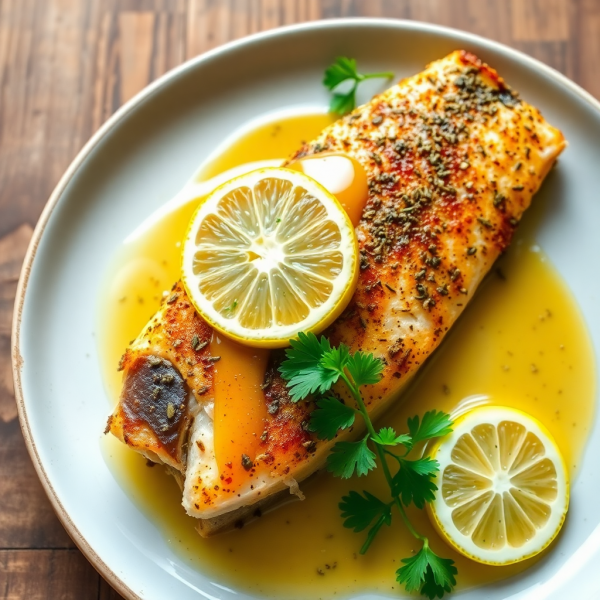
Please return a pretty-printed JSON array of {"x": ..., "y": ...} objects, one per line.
[{"x": 453, "y": 158}]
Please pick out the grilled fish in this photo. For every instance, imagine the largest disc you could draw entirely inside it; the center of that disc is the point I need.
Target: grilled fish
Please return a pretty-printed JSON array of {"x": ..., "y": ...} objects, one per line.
[{"x": 453, "y": 157}]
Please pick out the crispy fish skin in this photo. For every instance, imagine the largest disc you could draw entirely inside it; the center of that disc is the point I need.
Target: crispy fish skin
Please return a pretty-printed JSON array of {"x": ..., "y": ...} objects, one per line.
[
  {"x": 453, "y": 158},
  {"x": 174, "y": 343}
]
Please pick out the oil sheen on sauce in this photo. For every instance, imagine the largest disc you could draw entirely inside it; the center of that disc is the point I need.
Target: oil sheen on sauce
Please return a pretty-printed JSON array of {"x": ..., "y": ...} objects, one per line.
[{"x": 520, "y": 343}]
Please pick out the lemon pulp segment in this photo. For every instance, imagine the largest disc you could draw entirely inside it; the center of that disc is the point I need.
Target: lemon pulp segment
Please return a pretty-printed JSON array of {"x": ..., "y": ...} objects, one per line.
[
  {"x": 269, "y": 254},
  {"x": 503, "y": 486}
]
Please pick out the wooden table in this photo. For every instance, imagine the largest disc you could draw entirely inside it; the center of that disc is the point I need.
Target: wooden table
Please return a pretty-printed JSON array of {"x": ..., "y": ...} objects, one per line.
[{"x": 65, "y": 67}]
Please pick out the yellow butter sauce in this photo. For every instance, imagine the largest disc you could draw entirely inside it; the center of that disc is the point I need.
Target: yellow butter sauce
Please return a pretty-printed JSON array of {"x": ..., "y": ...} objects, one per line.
[
  {"x": 521, "y": 343},
  {"x": 240, "y": 408}
]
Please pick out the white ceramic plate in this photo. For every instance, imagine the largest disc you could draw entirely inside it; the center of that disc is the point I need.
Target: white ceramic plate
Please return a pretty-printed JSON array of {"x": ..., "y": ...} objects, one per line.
[{"x": 139, "y": 159}]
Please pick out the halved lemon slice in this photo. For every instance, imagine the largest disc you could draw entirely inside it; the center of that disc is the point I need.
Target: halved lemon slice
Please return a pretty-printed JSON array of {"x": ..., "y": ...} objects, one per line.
[
  {"x": 503, "y": 486},
  {"x": 269, "y": 254}
]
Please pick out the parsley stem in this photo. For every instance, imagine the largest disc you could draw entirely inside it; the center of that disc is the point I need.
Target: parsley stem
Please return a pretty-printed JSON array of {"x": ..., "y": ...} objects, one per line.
[
  {"x": 363, "y": 411},
  {"x": 381, "y": 452},
  {"x": 373, "y": 532},
  {"x": 383, "y": 74},
  {"x": 407, "y": 522},
  {"x": 393, "y": 455}
]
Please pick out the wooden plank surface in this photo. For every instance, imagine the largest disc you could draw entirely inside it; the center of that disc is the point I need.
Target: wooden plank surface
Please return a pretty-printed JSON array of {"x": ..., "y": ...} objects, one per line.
[{"x": 65, "y": 67}]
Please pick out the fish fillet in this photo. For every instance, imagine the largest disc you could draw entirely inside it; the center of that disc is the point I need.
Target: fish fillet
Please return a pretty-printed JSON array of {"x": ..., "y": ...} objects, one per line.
[{"x": 453, "y": 157}]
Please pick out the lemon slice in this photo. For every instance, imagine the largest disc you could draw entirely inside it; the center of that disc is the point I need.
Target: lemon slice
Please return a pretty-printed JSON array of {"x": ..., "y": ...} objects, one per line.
[
  {"x": 503, "y": 486},
  {"x": 269, "y": 254}
]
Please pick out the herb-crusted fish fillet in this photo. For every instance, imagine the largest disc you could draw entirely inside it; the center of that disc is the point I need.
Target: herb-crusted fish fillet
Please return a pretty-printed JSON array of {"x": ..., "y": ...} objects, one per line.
[{"x": 453, "y": 158}]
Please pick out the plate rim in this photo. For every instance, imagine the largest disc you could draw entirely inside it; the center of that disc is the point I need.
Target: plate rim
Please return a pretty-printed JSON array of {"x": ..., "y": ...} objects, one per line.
[{"x": 256, "y": 38}]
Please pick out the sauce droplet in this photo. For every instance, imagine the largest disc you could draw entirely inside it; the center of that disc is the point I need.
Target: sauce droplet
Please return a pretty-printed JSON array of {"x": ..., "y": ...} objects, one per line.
[{"x": 341, "y": 175}]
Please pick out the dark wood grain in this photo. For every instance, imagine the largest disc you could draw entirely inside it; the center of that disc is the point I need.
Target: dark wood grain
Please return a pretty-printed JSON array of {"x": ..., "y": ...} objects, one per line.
[
  {"x": 65, "y": 67},
  {"x": 48, "y": 574}
]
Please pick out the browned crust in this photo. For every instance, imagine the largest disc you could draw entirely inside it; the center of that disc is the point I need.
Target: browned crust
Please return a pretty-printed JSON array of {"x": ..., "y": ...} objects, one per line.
[{"x": 180, "y": 336}]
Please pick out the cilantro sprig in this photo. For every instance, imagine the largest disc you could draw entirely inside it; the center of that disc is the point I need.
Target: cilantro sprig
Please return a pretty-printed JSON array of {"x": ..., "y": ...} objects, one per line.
[
  {"x": 311, "y": 369},
  {"x": 344, "y": 69}
]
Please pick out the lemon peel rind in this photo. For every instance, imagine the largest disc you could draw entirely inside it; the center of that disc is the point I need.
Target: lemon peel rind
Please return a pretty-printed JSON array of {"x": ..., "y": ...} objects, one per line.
[
  {"x": 346, "y": 280},
  {"x": 441, "y": 532},
  {"x": 450, "y": 534}
]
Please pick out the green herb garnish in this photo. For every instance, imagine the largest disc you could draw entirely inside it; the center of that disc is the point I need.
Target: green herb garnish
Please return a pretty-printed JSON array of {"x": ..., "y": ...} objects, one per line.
[
  {"x": 311, "y": 369},
  {"x": 344, "y": 69}
]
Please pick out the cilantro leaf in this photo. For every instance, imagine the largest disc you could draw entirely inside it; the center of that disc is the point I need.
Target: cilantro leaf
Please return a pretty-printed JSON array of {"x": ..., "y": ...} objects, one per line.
[
  {"x": 431, "y": 589},
  {"x": 336, "y": 358},
  {"x": 412, "y": 574},
  {"x": 308, "y": 381},
  {"x": 344, "y": 69},
  {"x": 428, "y": 573},
  {"x": 358, "y": 510},
  {"x": 348, "y": 457},
  {"x": 442, "y": 569},
  {"x": 305, "y": 353},
  {"x": 303, "y": 369},
  {"x": 422, "y": 466},
  {"x": 341, "y": 70},
  {"x": 341, "y": 104},
  {"x": 364, "y": 368},
  {"x": 387, "y": 437},
  {"x": 413, "y": 481},
  {"x": 433, "y": 424},
  {"x": 329, "y": 417}
]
